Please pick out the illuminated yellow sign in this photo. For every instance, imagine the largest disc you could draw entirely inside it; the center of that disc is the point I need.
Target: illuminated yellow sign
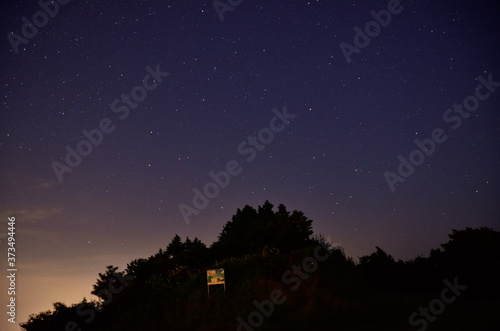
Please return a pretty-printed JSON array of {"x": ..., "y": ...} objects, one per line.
[{"x": 215, "y": 276}]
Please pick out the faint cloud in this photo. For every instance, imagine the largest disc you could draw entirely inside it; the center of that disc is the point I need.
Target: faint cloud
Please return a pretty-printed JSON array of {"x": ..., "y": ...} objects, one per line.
[
  {"x": 75, "y": 264},
  {"x": 39, "y": 235},
  {"x": 30, "y": 214},
  {"x": 42, "y": 184}
]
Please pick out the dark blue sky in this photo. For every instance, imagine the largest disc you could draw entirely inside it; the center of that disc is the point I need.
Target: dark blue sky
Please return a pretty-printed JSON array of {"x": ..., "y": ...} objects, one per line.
[{"x": 224, "y": 79}]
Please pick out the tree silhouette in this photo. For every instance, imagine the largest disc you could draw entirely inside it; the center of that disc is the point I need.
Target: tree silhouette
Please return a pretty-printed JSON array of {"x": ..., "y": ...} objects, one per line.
[
  {"x": 101, "y": 287},
  {"x": 472, "y": 255},
  {"x": 249, "y": 231},
  {"x": 380, "y": 269},
  {"x": 257, "y": 247},
  {"x": 175, "y": 247}
]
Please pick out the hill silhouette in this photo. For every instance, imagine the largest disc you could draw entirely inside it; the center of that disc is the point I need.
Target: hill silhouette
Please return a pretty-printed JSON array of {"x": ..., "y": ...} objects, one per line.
[{"x": 279, "y": 276}]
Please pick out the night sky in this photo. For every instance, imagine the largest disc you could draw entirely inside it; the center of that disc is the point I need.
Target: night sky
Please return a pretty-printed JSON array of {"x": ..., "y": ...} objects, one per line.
[{"x": 158, "y": 94}]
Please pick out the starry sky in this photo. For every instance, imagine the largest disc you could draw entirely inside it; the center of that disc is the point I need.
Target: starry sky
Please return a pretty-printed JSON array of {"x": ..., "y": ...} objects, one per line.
[{"x": 153, "y": 99}]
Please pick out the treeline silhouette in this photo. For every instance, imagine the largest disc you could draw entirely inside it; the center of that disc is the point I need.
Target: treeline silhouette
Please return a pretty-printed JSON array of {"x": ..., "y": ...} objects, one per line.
[{"x": 265, "y": 250}]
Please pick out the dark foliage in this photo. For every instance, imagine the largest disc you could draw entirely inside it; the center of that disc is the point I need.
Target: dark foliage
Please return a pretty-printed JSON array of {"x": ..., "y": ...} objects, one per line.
[{"x": 264, "y": 251}]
